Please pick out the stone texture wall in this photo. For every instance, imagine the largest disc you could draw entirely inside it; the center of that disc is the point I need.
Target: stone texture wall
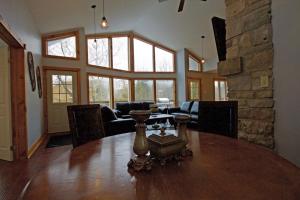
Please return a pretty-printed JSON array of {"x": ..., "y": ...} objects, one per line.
[{"x": 249, "y": 67}]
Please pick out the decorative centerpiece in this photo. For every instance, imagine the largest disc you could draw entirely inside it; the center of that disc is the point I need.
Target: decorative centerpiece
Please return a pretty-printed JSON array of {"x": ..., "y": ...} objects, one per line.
[
  {"x": 166, "y": 146},
  {"x": 140, "y": 147},
  {"x": 181, "y": 127}
]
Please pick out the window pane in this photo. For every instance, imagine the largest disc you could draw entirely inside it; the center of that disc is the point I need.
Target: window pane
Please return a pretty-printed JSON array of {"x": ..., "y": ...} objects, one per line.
[
  {"x": 144, "y": 90},
  {"x": 143, "y": 56},
  {"x": 99, "y": 90},
  {"x": 98, "y": 53},
  {"x": 164, "y": 60},
  {"x": 217, "y": 94},
  {"x": 62, "y": 92},
  {"x": 222, "y": 91},
  {"x": 165, "y": 92},
  {"x": 120, "y": 53},
  {"x": 194, "y": 90},
  {"x": 121, "y": 90},
  {"x": 193, "y": 64},
  {"x": 65, "y": 47}
]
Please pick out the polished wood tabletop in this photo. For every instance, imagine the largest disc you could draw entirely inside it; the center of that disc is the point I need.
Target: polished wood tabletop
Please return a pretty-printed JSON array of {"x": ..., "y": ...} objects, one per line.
[{"x": 221, "y": 168}]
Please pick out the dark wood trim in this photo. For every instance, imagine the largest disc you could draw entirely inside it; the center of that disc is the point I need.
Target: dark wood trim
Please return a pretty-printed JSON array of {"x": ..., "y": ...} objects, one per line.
[{"x": 18, "y": 95}]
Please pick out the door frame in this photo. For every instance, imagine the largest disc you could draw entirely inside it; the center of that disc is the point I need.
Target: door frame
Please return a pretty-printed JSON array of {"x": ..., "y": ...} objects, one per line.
[
  {"x": 45, "y": 101},
  {"x": 18, "y": 88}
]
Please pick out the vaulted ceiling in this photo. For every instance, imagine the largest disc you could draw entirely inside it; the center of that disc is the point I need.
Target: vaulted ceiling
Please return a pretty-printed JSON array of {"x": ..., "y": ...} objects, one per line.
[{"x": 157, "y": 21}]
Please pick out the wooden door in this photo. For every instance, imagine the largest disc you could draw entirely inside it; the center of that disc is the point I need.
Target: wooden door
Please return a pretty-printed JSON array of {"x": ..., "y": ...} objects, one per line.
[
  {"x": 6, "y": 152},
  {"x": 62, "y": 91}
]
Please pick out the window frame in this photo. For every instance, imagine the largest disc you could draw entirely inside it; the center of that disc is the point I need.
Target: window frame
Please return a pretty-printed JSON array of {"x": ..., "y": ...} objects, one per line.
[
  {"x": 174, "y": 89},
  {"x": 110, "y": 50},
  {"x": 131, "y": 66},
  {"x": 111, "y": 87},
  {"x": 57, "y": 36},
  {"x": 197, "y": 59},
  {"x": 189, "y": 80},
  {"x": 154, "y": 45},
  {"x": 154, "y": 86},
  {"x": 131, "y": 87},
  {"x": 226, "y": 88}
]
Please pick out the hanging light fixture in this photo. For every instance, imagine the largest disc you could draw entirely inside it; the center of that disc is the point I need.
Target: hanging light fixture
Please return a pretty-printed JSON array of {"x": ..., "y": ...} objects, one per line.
[
  {"x": 104, "y": 22},
  {"x": 95, "y": 28},
  {"x": 202, "y": 59}
]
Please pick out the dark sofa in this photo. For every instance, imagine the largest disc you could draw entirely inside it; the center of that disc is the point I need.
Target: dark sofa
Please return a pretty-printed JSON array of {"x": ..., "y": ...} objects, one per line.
[
  {"x": 211, "y": 116},
  {"x": 122, "y": 109}
]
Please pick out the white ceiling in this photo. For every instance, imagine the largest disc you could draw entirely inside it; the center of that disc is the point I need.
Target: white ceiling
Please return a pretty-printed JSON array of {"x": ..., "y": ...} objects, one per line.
[{"x": 157, "y": 21}]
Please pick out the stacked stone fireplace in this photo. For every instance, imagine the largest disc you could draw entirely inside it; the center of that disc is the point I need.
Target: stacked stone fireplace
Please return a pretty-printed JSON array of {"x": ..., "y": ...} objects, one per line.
[{"x": 249, "y": 66}]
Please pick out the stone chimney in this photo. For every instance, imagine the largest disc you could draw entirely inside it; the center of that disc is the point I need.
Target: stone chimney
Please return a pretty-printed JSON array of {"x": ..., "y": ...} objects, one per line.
[{"x": 249, "y": 66}]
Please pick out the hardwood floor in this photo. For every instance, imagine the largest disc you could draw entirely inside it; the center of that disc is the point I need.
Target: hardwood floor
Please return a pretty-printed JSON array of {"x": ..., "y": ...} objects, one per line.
[{"x": 15, "y": 175}]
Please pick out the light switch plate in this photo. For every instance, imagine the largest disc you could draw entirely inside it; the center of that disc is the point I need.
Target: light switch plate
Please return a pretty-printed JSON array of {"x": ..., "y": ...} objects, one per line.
[{"x": 264, "y": 81}]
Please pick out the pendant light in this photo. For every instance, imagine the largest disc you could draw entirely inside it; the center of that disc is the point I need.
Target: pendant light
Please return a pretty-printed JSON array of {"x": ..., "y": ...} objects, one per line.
[
  {"x": 95, "y": 28},
  {"x": 104, "y": 22},
  {"x": 202, "y": 59}
]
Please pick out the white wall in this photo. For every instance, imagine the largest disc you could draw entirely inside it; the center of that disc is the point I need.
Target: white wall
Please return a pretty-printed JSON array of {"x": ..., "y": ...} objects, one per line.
[
  {"x": 286, "y": 40},
  {"x": 18, "y": 17}
]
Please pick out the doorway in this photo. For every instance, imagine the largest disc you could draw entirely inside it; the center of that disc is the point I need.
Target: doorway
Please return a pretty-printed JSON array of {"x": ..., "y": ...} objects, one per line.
[
  {"x": 6, "y": 152},
  {"x": 63, "y": 89},
  {"x": 13, "y": 101}
]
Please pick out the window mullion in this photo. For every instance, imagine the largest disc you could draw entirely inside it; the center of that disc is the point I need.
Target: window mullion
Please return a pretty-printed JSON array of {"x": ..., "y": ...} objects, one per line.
[
  {"x": 154, "y": 62},
  {"x": 110, "y": 52}
]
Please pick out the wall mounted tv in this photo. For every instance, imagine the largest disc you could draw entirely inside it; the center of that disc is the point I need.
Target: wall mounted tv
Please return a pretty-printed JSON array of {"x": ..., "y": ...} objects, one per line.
[{"x": 219, "y": 27}]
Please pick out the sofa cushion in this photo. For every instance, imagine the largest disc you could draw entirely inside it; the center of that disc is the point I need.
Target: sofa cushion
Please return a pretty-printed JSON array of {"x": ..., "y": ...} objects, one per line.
[
  {"x": 107, "y": 114},
  {"x": 124, "y": 108},
  {"x": 194, "y": 117},
  {"x": 137, "y": 106},
  {"x": 195, "y": 108},
  {"x": 186, "y": 106}
]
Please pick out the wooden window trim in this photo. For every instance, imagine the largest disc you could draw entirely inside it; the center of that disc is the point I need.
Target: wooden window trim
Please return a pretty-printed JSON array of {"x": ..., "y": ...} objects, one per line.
[
  {"x": 189, "y": 80},
  {"x": 219, "y": 79},
  {"x": 196, "y": 58},
  {"x": 131, "y": 36},
  {"x": 63, "y": 35},
  {"x": 131, "y": 86}
]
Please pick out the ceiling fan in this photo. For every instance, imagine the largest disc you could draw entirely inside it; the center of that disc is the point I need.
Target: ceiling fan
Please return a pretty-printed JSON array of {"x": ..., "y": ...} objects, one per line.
[{"x": 181, "y": 4}]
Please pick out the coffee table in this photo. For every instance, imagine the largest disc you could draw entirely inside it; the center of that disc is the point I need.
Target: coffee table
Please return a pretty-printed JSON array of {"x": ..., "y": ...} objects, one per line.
[{"x": 160, "y": 118}]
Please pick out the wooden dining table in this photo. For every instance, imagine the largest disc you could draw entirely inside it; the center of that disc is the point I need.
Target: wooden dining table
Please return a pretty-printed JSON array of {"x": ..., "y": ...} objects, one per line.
[{"x": 220, "y": 168}]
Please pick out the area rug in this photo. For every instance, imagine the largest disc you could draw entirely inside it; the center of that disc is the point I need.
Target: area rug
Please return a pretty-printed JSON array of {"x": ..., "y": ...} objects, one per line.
[{"x": 59, "y": 140}]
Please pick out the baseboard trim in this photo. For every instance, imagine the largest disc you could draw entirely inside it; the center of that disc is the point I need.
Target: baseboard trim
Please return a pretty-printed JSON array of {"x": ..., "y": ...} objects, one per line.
[{"x": 36, "y": 145}]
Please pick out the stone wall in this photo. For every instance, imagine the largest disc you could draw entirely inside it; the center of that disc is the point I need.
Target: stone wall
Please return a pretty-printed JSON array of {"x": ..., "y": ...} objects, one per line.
[{"x": 249, "y": 67}]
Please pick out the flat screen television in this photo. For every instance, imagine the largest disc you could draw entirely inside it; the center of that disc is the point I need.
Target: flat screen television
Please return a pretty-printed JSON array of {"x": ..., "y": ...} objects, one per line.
[{"x": 219, "y": 28}]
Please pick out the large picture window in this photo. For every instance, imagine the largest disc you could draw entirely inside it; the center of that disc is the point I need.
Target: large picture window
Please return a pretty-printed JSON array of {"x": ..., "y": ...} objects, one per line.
[
  {"x": 121, "y": 90},
  {"x": 120, "y": 55},
  {"x": 165, "y": 92},
  {"x": 164, "y": 60},
  {"x": 143, "y": 56},
  {"x": 144, "y": 90},
  {"x": 64, "y": 45},
  {"x": 99, "y": 90},
  {"x": 98, "y": 52}
]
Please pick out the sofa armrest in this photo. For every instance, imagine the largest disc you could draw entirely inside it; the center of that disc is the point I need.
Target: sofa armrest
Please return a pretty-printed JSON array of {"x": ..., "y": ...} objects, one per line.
[
  {"x": 174, "y": 110},
  {"x": 119, "y": 126},
  {"x": 117, "y": 113}
]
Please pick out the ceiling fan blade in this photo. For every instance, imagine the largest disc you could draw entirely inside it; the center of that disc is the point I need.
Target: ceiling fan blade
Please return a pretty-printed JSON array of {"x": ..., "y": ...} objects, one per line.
[{"x": 181, "y": 4}]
